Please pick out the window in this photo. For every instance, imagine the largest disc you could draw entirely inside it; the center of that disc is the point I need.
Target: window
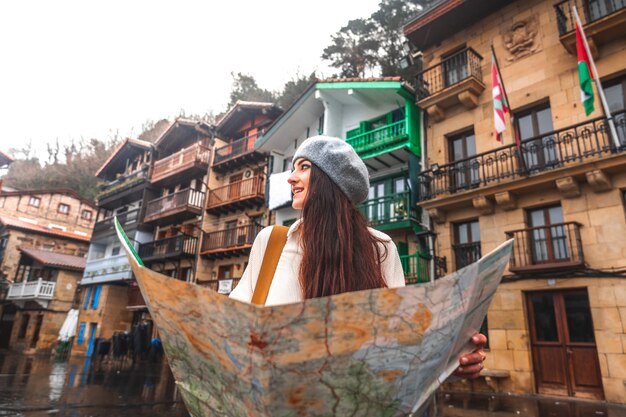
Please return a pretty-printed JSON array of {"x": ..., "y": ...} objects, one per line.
[
  {"x": 86, "y": 214},
  {"x": 455, "y": 67},
  {"x": 467, "y": 243},
  {"x": 81, "y": 334},
  {"x": 597, "y": 9},
  {"x": 539, "y": 151},
  {"x": 548, "y": 235},
  {"x": 96, "y": 297},
  {"x": 115, "y": 250},
  {"x": 464, "y": 171},
  {"x": 34, "y": 201},
  {"x": 63, "y": 208},
  {"x": 615, "y": 92},
  {"x": 87, "y": 297},
  {"x": 386, "y": 200}
]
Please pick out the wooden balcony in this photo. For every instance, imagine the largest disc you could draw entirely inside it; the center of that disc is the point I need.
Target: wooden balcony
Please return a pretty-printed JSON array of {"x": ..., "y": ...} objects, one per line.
[
  {"x": 564, "y": 148},
  {"x": 175, "y": 208},
  {"x": 39, "y": 291},
  {"x": 456, "y": 80},
  {"x": 190, "y": 162},
  {"x": 128, "y": 220},
  {"x": 222, "y": 286},
  {"x": 465, "y": 254},
  {"x": 546, "y": 248},
  {"x": 228, "y": 243},
  {"x": 379, "y": 140},
  {"x": 180, "y": 246},
  {"x": 236, "y": 153},
  {"x": 390, "y": 211},
  {"x": 237, "y": 195},
  {"x": 125, "y": 184},
  {"x": 603, "y": 21}
]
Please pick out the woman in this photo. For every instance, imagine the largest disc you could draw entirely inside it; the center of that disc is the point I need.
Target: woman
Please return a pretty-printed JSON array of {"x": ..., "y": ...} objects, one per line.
[{"x": 330, "y": 249}]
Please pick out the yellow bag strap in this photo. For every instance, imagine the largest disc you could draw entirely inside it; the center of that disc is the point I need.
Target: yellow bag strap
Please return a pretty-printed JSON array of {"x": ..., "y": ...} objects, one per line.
[{"x": 274, "y": 248}]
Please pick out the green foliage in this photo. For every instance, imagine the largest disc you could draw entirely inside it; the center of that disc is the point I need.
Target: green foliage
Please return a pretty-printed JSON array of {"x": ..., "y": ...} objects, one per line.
[
  {"x": 293, "y": 89},
  {"x": 245, "y": 88},
  {"x": 373, "y": 45},
  {"x": 76, "y": 171}
]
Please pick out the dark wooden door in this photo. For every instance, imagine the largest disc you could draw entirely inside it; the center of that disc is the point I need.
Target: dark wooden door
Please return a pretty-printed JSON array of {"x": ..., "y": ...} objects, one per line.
[
  {"x": 565, "y": 359},
  {"x": 234, "y": 189}
]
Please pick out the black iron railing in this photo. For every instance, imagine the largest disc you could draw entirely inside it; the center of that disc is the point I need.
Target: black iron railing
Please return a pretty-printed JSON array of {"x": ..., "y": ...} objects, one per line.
[
  {"x": 452, "y": 70},
  {"x": 169, "y": 247},
  {"x": 127, "y": 219},
  {"x": 574, "y": 144},
  {"x": 589, "y": 12},
  {"x": 546, "y": 247},
  {"x": 234, "y": 149},
  {"x": 466, "y": 253}
]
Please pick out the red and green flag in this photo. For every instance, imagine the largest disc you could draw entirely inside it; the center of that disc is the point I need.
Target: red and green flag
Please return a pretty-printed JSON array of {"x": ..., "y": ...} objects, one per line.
[
  {"x": 585, "y": 74},
  {"x": 500, "y": 105}
]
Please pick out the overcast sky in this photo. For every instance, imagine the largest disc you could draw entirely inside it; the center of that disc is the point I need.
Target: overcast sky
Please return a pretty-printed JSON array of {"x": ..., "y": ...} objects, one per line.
[{"x": 72, "y": 69}]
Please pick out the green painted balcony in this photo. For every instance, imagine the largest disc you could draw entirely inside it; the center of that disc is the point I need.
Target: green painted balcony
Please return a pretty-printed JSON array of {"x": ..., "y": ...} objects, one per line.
[
  {"x": 390, "y": 211},
  {"x": 380, "y": 140},
  {"x": 416, "y": 268}
]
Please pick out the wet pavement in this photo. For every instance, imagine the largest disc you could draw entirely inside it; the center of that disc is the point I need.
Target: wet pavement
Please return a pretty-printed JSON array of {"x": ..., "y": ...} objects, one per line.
[{"x": 38, "y": 386}]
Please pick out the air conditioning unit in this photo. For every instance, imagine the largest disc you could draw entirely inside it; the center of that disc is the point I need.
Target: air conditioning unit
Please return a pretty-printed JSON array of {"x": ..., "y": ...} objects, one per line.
[{"x": 247, "y": 173}]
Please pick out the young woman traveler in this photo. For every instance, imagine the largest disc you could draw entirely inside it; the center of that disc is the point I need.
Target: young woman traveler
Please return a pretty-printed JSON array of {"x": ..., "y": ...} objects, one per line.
[{"x": 330, "y": 249}]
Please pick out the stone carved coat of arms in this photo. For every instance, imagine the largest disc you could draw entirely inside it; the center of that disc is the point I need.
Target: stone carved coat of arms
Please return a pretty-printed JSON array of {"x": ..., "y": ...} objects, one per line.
[{"x": 521, "y": 39}]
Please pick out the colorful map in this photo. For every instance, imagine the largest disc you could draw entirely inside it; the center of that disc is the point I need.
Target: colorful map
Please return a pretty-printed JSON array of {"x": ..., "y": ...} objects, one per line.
[{"x": 369, "y": 353}]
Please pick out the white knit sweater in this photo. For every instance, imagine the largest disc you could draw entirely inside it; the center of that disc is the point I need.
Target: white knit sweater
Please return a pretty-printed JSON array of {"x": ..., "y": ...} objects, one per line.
[{"x": 285, "y": 287}]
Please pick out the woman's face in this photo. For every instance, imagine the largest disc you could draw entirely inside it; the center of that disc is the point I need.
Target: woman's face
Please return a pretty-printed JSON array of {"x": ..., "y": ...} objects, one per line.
[{"x": 299, "y": 181}]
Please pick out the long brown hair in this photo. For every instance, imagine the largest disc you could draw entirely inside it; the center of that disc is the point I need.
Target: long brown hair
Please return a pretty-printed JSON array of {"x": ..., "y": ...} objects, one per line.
[{"x": 339, "y": 252}]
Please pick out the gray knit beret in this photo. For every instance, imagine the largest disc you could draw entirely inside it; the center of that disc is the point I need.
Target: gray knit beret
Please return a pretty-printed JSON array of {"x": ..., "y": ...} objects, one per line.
[{"x": 340, "y": 162}]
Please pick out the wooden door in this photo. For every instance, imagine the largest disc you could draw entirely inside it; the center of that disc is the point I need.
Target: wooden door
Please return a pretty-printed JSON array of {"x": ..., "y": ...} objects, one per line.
[
  {"x": 565, "y": 359},
  {"x": 234, "y": 189}
]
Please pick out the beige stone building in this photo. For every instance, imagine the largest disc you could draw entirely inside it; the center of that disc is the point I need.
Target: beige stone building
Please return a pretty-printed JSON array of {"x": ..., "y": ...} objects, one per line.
[
  {"x": 557, "y": 325},
  {"x": 44, "y": 236}
]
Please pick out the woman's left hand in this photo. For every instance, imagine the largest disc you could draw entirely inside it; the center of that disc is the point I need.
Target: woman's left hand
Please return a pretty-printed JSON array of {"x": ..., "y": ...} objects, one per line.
[{"x": 472, "y": 363}]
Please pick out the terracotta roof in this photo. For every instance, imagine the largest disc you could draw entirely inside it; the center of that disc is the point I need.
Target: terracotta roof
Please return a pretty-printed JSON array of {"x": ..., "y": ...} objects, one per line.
[
  {"x": 65, "y": 191},
  {"x": 135, "y": 142},
  {"x": 360, "y": 80},
  {"x": 17, "y": 223},
  {"x": 246, "y": 105},
  {"x": 56, "y": 260}
]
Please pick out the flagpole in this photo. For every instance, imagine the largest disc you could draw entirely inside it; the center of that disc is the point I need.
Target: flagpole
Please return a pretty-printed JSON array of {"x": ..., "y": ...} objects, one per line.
[
  {"x": 605, "y": 106},
  {"x": 516, "y": 138}
]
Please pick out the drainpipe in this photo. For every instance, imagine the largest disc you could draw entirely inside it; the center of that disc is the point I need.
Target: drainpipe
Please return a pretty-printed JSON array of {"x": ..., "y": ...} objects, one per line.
[
  {"x": 425, "y": 217},
  {"x": 194, "y": 277}
]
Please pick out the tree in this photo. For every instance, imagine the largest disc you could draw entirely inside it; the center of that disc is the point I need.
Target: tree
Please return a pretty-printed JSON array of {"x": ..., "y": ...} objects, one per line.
[
  {"x": 293, "y": 89},
  {"x": 375, "y": 42},
  {"x": 151, "y": 131},
  {"x": 245, "y": 88},
  {"x": 354, "y": 48}
]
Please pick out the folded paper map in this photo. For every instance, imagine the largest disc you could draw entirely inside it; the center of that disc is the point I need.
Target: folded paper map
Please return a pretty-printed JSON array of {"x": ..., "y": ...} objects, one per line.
[{"x": 371, "y": 353}]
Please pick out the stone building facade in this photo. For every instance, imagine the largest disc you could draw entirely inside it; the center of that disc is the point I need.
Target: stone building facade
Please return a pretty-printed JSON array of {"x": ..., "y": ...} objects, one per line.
[{"x": 557, "y": 325}]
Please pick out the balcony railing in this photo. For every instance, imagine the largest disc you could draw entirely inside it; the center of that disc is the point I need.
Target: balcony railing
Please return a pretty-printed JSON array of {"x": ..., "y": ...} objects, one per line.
[
  {"x": 389, "y": 209},
  {"x": 466, "y": 253},
  {"x": 416, "y": 268},
  {"x": 378, "y": 138},
  {"x": 107, "y": 269},
  {"x": 196, "y": 154},
  {"x": 237, "y": 192},
  {"x": 228, "y": 239},
  {"x": 127, "y": 219},
  {"x": 183, "y": 200},
  {"x": 31, "y": 290},
  {"x": 222, "y": 286},
  {"x": 556, "y": 246},
  {"x": 235, "y": 149},
  {"x": 589, "y": 12},
  {"x": 458, "y": 67},
  {"x": 571, "y": 145},
  {"x": 171, "y": 247},
  {"x": 123, "y": 182}
]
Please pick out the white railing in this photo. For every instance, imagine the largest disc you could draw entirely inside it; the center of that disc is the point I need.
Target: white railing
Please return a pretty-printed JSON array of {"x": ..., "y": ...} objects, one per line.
[
  {"x": 112, "y": 268},
  {"x": 31, "y": 290}
]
